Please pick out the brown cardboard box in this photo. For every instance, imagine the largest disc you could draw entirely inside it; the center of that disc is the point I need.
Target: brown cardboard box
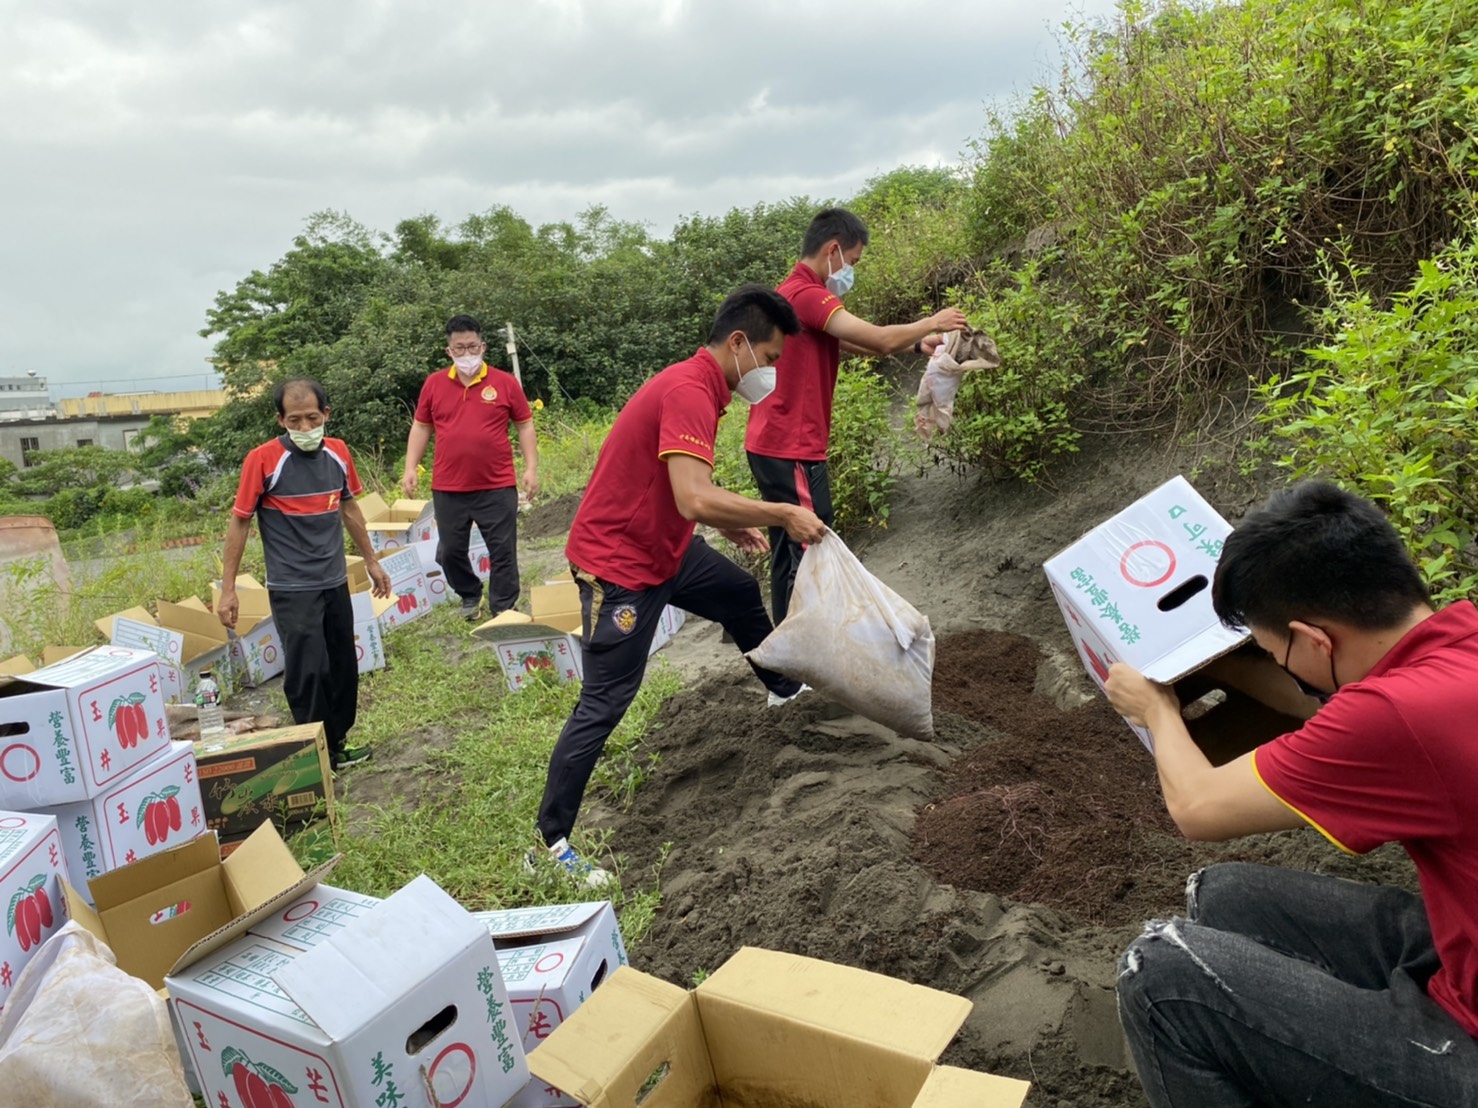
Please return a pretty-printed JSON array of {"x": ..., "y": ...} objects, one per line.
[
  {"x": 282, "y": 776},
  {"x": 167, "y": 911},
  {"x": 766, "y": 1028}
]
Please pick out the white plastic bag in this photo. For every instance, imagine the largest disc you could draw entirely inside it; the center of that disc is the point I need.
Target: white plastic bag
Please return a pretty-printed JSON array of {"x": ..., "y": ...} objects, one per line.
[
  {"x": 960, "y": 352},
  {"x": 850, "y": 637},
  {"x": 78, "y": 1032}
]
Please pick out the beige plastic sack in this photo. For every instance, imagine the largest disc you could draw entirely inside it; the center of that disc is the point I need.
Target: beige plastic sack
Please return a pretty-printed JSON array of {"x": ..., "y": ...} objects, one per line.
[
  {"x": 78, "y": 1032},
  {"x": 960, "y": 352},
  {"x": 853, "y": 639}
]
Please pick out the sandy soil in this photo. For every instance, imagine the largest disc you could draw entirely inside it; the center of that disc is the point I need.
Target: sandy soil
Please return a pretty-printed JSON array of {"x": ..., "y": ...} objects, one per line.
[{"x": 1009, "y": 861}]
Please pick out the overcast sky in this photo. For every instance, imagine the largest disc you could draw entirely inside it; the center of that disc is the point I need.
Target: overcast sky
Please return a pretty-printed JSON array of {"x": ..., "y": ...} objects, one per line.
[{"x": 153, "y": 153}]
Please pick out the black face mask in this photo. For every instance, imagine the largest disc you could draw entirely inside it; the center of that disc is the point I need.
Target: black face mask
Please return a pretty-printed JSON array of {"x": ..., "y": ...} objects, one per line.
[{"x": 1307, "y": 689}]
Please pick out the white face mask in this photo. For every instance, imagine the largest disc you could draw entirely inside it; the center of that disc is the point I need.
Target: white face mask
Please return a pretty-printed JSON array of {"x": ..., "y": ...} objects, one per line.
[
  {"x": 467, "y": 363},
  {"x": 758, "y": 383},
  {"x": 840, "y": 282},
  {"x": 307, "y": 440}
]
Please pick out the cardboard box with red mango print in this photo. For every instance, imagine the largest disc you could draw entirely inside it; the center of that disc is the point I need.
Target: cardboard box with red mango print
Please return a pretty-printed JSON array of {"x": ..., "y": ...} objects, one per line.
[
  {"x": 155, "y": 807},
  {"x": 73, "y": 730},
  {"x": 32, "y": 868}
]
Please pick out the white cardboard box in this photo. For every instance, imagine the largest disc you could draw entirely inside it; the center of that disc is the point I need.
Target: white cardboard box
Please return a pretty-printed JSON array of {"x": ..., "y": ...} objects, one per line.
[
  {"x": 155, "y": 807},
  {"x": 552, "y": 959},
  {"x": 436, "y": 586},
  {"x": 412, "y": 598},
  {"x": 1137, "y": 588},
  {"x": 73, "y": 729},
  {"x": 319, "y": 914},
  {"x": 369, "y": 635},
  {"x": 32, "y": 868},
  {"x": 406, "y": 998}
]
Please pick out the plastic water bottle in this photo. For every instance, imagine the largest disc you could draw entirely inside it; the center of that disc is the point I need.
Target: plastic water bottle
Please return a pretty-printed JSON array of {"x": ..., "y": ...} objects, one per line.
[{"x": 208, "y": 700}]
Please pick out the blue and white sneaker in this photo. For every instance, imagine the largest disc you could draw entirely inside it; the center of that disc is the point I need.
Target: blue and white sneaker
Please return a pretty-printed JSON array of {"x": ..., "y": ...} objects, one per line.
[
  {"x": 589, "y": 874},
  {"x": 776, "y": 700}
]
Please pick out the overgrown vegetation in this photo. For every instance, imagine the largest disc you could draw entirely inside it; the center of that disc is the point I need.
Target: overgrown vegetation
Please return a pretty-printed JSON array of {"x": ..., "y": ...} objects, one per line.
[
  {"x": 1386, "y": 406},
  {"x": 1181, "y": 180}
]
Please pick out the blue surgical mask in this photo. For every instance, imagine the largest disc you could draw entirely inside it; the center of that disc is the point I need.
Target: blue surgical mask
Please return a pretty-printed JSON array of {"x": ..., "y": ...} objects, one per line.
[{"x": 840, "y": 282}]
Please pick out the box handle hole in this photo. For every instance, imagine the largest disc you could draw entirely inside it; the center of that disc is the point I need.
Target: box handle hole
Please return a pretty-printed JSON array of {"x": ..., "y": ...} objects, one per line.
[
  {"x": 654, "y": 1079},
  {"x": 600, "y": 975},
  {"x": 428, "y": 1031},
  {"x": 1181, "y": 593}
]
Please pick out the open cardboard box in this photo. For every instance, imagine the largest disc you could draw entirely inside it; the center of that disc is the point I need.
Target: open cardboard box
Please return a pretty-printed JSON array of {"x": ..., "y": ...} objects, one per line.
[
  {"x": 165, "y": 912},
  {"x": 256, "y": 648},
  {"x": 402, "y": 1004},
  {"x": 15, "y": 666},
  {"x": 1137, "y": 589},
  {"x": 391, "y": 526},
  {"x": 186, "y": 635},
  {"x": 767, "y": 1028}
]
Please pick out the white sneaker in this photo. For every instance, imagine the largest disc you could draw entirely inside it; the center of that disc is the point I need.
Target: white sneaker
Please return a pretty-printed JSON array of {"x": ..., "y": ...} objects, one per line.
[
  {"x": 577, "y": 867},
  {"x": 776, "y": 699}
]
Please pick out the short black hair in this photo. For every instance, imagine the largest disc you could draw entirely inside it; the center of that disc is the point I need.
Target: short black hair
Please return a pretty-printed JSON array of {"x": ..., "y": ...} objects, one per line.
[
  {"x": 833, "y": 223},
  {"x": 1313, "y": 552},
  {"x": 299, "y": 384},
  {"x": 463, "y": 323},
  {"x": 757, "y": 311}
]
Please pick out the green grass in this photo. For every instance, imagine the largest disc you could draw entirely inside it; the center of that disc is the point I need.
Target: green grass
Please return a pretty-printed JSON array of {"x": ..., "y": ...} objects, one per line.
[{"x": 473, "y": 817}]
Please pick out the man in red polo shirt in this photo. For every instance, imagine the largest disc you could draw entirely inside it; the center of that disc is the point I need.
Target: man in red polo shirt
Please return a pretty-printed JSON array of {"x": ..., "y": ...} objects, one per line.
[
  {"x": 1283, "y": 987},
  {"x": 787, "y": 438},
  {"x": 469, "y": 406},
  {"x": 632, "y": 550}
]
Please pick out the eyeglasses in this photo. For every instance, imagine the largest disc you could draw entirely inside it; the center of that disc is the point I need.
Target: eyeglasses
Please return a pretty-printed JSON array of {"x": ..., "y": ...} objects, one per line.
[{"x": 467, "y": 348}]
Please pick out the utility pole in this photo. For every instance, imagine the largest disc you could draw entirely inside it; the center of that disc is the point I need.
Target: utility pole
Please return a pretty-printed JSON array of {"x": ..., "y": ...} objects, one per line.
[{"x": 513, "y": 354}]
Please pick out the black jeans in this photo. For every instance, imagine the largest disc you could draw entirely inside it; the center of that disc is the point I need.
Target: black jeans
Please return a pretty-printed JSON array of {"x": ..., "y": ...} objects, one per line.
[
  {"x": 618, "y": 626},
  {"x": 784, "y": 481},
  {"x": 495, "y": 511},
  {"x": 321, "y": 678},
  {"x": 1289, "y": 988}
]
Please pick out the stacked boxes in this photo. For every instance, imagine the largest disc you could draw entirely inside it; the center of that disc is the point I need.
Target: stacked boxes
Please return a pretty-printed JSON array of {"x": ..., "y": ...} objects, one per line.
[
  {"x": 400, "y": 1004},
  {"x": 89, "y": 748},
  {"x": 33, "y": 872}
]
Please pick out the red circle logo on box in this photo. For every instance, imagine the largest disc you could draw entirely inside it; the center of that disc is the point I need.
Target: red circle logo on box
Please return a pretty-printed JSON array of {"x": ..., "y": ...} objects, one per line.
[
  {"x": 1147, "y": 564},
  {"x": 300, "y": 911},
  {"x": 454, "y": 1068},
  {"x": 14, "y": 765}
]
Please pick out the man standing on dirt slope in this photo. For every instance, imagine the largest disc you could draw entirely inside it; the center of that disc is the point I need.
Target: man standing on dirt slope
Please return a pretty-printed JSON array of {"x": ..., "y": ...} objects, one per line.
[
  {"x": 787, "y": 438},
  {"x": 301, "y": 487},
  {"x": 1281, "y": 987},
  {"x": 469, "y": 406},
  {"x": 632, "y": 549}
]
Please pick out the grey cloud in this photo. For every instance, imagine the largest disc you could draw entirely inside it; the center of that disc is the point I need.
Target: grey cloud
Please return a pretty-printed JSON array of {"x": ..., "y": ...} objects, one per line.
[{"x": 158, "y": 152}]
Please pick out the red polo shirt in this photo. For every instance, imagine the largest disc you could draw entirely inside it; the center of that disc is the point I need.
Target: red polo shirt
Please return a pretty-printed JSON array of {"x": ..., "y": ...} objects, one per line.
[
  {"x": 628, "y": 529},
  {"x": 795, "y": 422},
  {"x": 471, "y": 427},
  {"x": 1392, "y": 758}
]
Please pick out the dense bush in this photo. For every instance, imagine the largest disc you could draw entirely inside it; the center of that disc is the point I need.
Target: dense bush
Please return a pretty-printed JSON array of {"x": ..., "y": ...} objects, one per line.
[
  {"x": 1195, "y": 159},
  {"x": 1387, "y": 406}
]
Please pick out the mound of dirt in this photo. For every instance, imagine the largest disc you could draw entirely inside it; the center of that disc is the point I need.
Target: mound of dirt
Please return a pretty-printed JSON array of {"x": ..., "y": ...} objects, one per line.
[{"x": 548, "y": 518}]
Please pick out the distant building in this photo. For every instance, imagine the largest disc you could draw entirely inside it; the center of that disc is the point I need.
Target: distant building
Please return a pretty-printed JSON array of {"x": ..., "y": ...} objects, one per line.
[
  {"x": 112, "y": 421},
  {"x": 24, "y": 398}
]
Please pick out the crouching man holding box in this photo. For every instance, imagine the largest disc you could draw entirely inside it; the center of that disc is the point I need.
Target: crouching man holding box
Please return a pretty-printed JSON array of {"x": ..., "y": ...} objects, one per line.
[{"x": 1281, "y": 987}]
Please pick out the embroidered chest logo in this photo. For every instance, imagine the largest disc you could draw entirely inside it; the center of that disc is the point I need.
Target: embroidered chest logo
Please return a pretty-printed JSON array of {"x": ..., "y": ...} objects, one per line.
[
  {"x": 489, "y": 394},
  {"x": 624, "y": 618}
]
